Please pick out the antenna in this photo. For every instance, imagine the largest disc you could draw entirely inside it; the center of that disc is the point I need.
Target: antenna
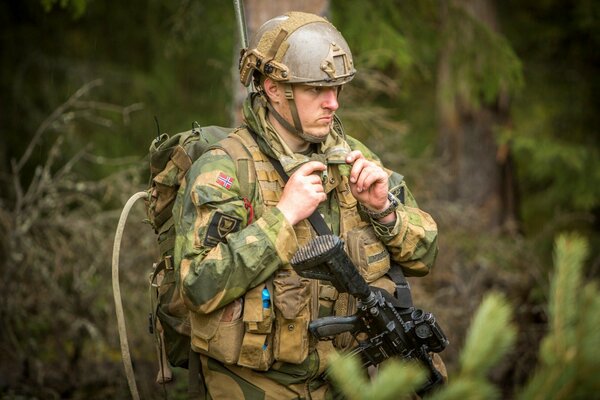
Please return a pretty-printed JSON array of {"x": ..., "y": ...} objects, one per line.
[
  {"x": 238, "y": 5},
  {"x": 240, "y": 17}
]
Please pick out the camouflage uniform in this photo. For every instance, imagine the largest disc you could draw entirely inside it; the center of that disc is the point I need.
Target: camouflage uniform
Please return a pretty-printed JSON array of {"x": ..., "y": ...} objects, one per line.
[{"x": 230, "y": 243}]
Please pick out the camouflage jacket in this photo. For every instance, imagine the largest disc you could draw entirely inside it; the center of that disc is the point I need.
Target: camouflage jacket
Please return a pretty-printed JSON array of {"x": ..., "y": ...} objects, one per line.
[{"x": 221, "y": 255}]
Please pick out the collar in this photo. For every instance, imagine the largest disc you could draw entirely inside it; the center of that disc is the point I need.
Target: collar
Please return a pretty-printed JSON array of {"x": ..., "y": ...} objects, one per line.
[{"x": 332, "y": 151}]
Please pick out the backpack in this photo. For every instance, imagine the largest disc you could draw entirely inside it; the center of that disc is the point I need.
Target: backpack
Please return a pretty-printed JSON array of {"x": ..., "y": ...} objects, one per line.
[{"x": 170, "y": 159}]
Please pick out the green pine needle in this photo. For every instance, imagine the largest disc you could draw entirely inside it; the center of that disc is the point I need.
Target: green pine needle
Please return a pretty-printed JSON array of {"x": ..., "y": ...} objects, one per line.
[
  {"x": 569, "y": 354},
  {"x": 394, "y": 380},
  {"x": 466, "y": 388},
  {"x": 490, "y": 336},
  {"x": 348, "y": 375}
]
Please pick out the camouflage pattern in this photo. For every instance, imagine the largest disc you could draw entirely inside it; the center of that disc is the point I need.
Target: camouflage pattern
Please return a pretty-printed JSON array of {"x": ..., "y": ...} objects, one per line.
[{"x": 224, "y": 248}]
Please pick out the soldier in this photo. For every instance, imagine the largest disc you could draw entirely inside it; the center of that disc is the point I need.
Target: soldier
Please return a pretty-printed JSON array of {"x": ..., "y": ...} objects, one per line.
[{"x": 238, "y": 223}]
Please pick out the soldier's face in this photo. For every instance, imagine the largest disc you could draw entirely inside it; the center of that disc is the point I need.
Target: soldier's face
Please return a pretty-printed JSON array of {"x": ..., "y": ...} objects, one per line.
[{"x": 316, "y": 106}]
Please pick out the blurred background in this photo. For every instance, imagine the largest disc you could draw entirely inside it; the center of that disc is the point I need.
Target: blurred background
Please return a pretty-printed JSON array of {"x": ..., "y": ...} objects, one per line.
[{"x": 488, "y": 108}]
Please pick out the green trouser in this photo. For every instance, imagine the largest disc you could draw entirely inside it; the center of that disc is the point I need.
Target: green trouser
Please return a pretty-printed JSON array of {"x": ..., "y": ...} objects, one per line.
[{"x": 218, "y": 381}]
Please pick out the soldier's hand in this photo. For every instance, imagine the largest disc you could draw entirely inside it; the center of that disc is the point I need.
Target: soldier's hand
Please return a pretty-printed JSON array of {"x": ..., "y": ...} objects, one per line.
[
  {"x": 303, "y": 192},
  {"x": 368, "y": 182}
]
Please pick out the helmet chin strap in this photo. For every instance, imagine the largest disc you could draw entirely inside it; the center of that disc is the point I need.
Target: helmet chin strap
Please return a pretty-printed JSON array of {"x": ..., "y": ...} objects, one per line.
[{"x": 296, "y": 129}]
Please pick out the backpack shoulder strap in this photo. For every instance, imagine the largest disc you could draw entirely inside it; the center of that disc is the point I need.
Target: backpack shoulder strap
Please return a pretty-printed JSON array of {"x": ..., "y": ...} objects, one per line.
[{"x": 234, "y": 145}]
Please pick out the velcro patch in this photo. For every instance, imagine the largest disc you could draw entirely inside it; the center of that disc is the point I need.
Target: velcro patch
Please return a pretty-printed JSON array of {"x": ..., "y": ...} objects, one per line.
[
  {"x": 377, "y": 257},
  {"x": 219, "y": 227},
  {"x": 225, "y": 180}
]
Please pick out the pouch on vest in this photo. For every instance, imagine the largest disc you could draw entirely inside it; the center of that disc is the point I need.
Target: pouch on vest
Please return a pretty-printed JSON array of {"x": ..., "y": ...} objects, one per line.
[
  {"x": 258, "y": 313},
  {"x": 257, "y": 351},
  {"x": 367, "y": 252},
  {"x": 257, "y": 345},
  {"x": 219, "y": 339},
  {"x": 291, "y": 299}
]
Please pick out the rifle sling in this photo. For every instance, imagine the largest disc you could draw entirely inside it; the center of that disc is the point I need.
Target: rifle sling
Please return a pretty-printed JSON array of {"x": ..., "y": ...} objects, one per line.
[
  {"x": 315, "y": 219},
  {"x": 403, "y": 296}
]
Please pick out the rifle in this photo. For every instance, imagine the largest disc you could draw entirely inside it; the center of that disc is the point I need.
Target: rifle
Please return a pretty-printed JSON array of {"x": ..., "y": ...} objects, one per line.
[{"x": 408, "y": 333}]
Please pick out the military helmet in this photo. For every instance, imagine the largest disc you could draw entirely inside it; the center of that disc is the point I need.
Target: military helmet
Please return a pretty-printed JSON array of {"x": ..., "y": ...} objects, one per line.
[{"x": 298, "y": 48}]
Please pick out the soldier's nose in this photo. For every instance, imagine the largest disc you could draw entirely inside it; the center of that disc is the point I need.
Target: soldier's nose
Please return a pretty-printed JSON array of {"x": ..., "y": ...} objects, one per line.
[{"x": 330, "y": 100}]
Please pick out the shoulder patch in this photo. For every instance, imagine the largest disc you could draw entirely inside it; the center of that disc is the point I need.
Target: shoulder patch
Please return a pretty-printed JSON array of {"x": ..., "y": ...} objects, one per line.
[{"x": 219, "y": 227}]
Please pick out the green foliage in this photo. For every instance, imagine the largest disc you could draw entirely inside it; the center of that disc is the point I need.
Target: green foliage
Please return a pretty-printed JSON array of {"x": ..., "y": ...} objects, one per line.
[
  {"x": 563, "y": 172},
  {"x": 558, "y": 164},
  {"x": 54, "y": 229},
  {"x": 483, "y": 61},
  {"x": 149, "y": 53},
  {"x": 490, "y": 337},
  {"x": 569, "y": 354},
  {"x": 376, "y": 43},
  {"x": 398, "y": 38},
  {"x": 555, "y": 134},
  {"x": 77, "y": 7},
  {"x": 394, "y": 380}
]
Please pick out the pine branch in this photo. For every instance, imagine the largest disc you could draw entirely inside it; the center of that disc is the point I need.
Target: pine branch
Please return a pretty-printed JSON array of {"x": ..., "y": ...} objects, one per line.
[
  {"x": 490, "y": 337},
  {"x": 569, "y": 359},
  {"x": 394, "y": 380}
]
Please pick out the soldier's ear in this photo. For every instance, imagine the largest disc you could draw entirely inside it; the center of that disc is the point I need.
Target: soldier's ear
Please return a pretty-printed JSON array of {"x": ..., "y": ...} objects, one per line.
[{"x": 273, "y": 91}]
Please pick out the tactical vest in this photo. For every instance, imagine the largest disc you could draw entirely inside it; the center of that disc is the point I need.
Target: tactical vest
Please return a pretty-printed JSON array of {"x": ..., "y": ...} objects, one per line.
[{"x": 280, "y": 333}]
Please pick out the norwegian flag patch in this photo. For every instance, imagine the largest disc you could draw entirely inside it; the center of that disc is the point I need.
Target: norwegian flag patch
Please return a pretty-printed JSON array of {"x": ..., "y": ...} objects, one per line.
[{"x": 225, "y": 180}]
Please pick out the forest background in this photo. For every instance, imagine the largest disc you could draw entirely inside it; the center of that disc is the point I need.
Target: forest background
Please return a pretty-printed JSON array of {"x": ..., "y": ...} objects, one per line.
[{"x": 489, "y": 108}]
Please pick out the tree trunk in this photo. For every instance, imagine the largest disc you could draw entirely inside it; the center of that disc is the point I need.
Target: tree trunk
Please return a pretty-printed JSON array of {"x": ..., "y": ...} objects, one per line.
[
  {"x": 258, "y": 12},
  {"x": 479, "y": 173}
]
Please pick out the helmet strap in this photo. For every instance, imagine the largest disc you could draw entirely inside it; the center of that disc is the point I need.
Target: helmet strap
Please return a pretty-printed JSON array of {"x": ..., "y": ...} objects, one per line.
[
  {"x": 289, "y": 95},
  {"x": 297, "y": 127}
]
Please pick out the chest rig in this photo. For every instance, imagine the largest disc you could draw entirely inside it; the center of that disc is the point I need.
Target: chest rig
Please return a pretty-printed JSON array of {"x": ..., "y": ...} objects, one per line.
[{"x": 298, "y": 300}]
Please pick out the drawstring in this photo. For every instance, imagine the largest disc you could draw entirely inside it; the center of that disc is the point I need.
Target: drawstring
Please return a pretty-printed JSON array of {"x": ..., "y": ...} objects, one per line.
[{"x": 249, "y": 209}]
